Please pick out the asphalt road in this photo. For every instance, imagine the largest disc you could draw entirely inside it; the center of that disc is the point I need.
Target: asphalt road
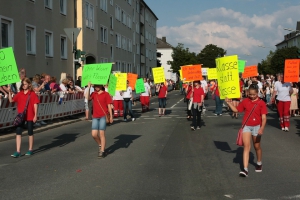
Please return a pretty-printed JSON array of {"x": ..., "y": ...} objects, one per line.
[{"x": 153, "y": 158}]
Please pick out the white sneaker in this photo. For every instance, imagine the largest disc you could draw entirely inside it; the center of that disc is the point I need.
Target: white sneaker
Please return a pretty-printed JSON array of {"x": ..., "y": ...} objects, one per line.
[
  {"x": 37, "y": 124},
  {"x": 43, "y": 123},
  {"x": 133, "y": 119},
  {"x": 283, "y": 129},
  {"x": 286, "y": 129}
]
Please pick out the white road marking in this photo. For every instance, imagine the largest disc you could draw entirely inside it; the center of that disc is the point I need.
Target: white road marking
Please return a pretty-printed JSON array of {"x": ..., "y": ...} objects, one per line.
[{"x": 149, "y": 118}]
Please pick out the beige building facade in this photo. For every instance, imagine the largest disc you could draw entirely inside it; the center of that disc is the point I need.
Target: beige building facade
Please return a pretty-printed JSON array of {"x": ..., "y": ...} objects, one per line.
[{"x": 35, "y": 31}]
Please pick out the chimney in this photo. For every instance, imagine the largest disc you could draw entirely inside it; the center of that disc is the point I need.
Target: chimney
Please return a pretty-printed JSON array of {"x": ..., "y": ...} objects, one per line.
[{"x": 164, "y": 39}]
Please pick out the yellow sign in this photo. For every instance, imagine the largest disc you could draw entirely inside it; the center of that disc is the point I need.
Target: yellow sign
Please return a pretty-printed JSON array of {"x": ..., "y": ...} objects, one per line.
[
  {"x": 212, "y": 73},
  {"x": 159, "y": 75},
  {"x": 121, "y": 81},
  {"x": 180, "y": 72},
  {"x": 228, "y": 77}
]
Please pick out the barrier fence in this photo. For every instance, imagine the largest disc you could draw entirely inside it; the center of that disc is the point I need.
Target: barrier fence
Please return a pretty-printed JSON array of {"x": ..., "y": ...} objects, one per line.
[{"x": 51, "y": 106}]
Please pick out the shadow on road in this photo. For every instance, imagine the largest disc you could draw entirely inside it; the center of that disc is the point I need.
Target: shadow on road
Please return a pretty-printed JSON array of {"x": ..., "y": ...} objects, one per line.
[
  {"x": 123, "y": 141},
  {"x": 59, "y": 141},
  {"x": 223, "y": 146}
]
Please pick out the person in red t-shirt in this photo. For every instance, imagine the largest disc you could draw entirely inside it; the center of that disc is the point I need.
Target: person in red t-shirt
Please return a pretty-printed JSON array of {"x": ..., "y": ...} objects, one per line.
[
  {"x": 198, "y": 97},
  {"x": 101, "y": 107},
  {"x": 26, "y": 91},
  {"x": 188, "y": 92},
  {"x": 253, "y": 126},
  {"x": 162, "y": 98}
]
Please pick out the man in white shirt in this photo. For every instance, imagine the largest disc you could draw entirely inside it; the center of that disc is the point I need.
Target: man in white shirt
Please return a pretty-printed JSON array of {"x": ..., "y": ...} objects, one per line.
[
  {"x": 145, "y": 97},
  {"x": 118, "y": 104},
  {"x": 127, "y": 96}
]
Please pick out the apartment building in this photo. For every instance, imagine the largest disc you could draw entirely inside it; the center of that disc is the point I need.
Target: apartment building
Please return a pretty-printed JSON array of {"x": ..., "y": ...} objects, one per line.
[
  {"x": 118, "y": 31},
  {"x": 35, "y": 31},
  {"x": 291, "y": 39}
]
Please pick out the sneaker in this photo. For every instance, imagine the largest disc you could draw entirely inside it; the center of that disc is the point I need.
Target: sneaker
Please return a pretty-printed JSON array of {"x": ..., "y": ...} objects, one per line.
[
  {"x": 243, "y": 173},
  {"x": 43, "y": 123},
  {"x": 216, "y": 114},
  {"x": 16, "y": 154},
  {"x": 125, "y": 120},
  {"x": 37, "y": 124},
  {"x": 101, "y": 154},
  {"x": 198, "y": 127},
  {"x": 283, "y": 129},
  {"x": 220, "y": 114},
  {"x": 258, "y": 168},
  {"x": 192, "y": 128},
  {"x": 29, "y": 153},
  {"x": 133, "y": 119},
  {"x": 286, "y": 129}
]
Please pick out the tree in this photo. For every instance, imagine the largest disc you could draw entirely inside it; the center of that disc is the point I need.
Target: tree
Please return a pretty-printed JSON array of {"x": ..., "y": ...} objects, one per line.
[
  {"x": 208, "y": 55},
  {"x": 265, "y": 66},
  {"x": 277, "y": 61},
  {"x": 181, "y": 56}
]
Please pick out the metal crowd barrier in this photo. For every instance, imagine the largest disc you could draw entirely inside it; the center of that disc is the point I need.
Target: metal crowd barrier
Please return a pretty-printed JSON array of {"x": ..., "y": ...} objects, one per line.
[{"x": 51, "y": 106}]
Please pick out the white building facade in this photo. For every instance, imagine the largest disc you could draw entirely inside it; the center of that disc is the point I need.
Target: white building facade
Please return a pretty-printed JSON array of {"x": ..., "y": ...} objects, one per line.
[{"x": 166, "y": 51}]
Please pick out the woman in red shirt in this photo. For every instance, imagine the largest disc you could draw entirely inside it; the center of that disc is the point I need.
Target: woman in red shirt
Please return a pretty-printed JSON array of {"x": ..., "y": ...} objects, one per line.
[
  {"x": 188, "y": 92},
  {"x": 26, "y": 91},
  {"x": 101, "y": 107},
  {"x": 198, "y": 97},
  {"x": 162, "y": 98},
  {"x": 254, "y": 126}
]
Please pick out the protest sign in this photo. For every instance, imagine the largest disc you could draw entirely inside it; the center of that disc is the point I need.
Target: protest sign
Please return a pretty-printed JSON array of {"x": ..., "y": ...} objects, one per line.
[
  {"x": 241, "y": 64},
  {"x": 212, "y": 73},
  {"x": 204, "y": 71},
  {"x": 291, "y": 70},
  {"x": 250, "y": 71},
  {"x": 191, "y": 72},
  {"x": 121, "y": 81},
  {"x": 132, "y": 79},
  {"x": 159, "y": 75},
  {"x": 96, "y": 73},
  {"x": 8, "y": 67},
  {"x": 228, "y": 77},
  {"x": 139, "y": 86},
  {"x": 112, "y": 84}
]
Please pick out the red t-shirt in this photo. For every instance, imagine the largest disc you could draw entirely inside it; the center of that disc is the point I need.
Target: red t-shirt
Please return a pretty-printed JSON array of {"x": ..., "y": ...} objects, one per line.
[
  {"x": 104, "y": 99},
  {"x": 255, "y": 118},
  {"x": 198, "y": 92},
  {"x": 162, "y": 92},
  {"x": 20, "y": 98},
  {"x": 189, "y": 92}
]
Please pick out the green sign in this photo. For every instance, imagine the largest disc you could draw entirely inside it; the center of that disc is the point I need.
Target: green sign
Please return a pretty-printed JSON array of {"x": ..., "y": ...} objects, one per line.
[
  {"x": 241, "y": 65},
  {"x": 96, "y": 74},
  {"x": 8, "y": 67},
  {"x": 139, "y": 86},
  {"x": 112, "y": 84}
]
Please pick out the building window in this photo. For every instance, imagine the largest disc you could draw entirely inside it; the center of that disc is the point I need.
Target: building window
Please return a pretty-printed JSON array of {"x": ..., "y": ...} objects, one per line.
[
  {"x": 30, "y": 39},
  {"x": 118, "y": 13},
  {"x": 48, "y": 4},
  {"x": 137, "y": 6},
  {"x": 63, "y": 7},
  {"x": 137, "y": 28},
  {"x": 63, "y": 47},
  {"x": 137, "y": 49},
  {"x": 124, "y": 21},
  {"x": 6, "y": 33},
  {"x": 111, "y": 22},
  {"x": 103, "y": 34},
  {"x": 49, "y": 44},
  {"x": 89, "y": 15},
  {"x": 118, "y": 40},
  {"x": 103, "y": 5},
  {"x": 111, "y": 53},
  {"x": 130, "y": 2}
]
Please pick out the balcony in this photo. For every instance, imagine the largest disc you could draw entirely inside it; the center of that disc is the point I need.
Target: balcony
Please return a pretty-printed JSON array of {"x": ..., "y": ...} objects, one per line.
[
  {"x": 142, "y": 39},
  {"x": 142, "y": 59},
  {"x": 142, "y": 19}
]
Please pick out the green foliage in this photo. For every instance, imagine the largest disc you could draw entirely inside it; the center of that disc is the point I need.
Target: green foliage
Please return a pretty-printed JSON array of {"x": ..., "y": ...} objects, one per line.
[
  {"x": 208, "y": 55},
  {"x": 277, "y": 61},
  {"x": 265, "y": 66},
  {"x": 182, "y": 56}
]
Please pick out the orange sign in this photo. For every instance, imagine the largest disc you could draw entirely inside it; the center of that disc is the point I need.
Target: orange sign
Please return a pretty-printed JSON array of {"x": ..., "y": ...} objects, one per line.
[
  {"x": 291, "y": 70},
  {"x": 250, "y": 71},
  {"x": 132, "y": 79},
  {"x": 191, "y": 73}
]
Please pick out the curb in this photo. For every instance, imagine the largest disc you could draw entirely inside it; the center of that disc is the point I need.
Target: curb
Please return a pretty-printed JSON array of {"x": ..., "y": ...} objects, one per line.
[{"x": 10, "y": 136}]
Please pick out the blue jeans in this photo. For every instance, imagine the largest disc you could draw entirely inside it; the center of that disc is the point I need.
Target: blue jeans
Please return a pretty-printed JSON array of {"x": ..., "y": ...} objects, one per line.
[
  {"x": 196, "y": 116},
  {"x": 127, "y": 105},
  {"x": 219, "y": 105},
  {"x": 162, "y": 102},
  {"x": 268, "y": 98}
]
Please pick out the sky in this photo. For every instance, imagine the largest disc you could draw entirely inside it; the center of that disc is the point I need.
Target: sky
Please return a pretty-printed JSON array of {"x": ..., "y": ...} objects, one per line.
[{"x": 238, "y": 26}]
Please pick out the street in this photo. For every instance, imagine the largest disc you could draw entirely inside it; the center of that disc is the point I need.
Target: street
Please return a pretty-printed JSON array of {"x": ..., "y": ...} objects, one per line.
[{"x": 154, "y": 158}]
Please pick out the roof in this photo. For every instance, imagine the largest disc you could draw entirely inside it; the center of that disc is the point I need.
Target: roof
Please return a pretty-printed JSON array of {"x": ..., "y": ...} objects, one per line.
[
  {"x": 149, "y": 9},
  {"x": 160, "y": 44}
]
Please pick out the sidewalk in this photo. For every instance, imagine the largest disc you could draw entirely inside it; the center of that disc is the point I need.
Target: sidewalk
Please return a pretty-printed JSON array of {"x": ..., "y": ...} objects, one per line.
[{"x": 9, "y": 133}]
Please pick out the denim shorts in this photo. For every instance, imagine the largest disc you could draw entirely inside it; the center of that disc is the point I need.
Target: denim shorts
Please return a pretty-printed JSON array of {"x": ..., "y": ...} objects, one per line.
[
  {"x": 99, "y": 124},
  {"x": 251, "y": 129}
]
